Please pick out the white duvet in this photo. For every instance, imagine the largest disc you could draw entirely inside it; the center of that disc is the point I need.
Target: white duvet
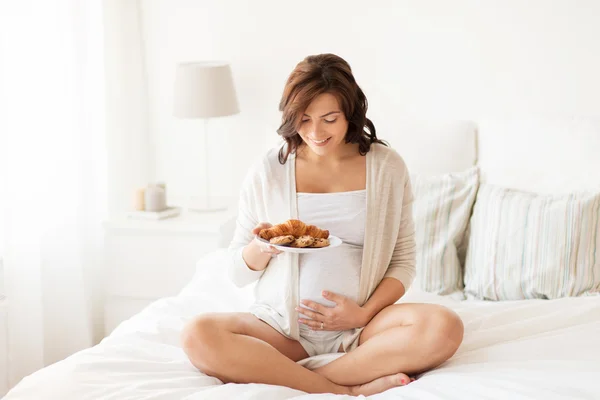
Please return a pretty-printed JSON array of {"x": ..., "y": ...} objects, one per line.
[{"x": 533, "y": 349}]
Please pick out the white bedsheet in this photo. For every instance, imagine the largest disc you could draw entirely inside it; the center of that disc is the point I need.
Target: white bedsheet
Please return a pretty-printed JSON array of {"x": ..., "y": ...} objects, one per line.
[{"x": 512, "y": 350}]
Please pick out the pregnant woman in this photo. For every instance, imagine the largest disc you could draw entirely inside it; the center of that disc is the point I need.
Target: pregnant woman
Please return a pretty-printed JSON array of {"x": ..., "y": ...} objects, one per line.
[{"x": 332, "y": 172}]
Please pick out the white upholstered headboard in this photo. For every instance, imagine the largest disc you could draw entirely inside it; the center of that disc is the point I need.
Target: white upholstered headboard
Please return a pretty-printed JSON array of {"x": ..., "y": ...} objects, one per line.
[
  {"x": 534, "y": 153},
  {"x": 543, "y": 155},
  {"x": 434, "y": 146}
]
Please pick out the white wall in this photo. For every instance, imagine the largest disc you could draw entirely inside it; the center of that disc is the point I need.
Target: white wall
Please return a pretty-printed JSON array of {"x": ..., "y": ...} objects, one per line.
[
  {"x": 454, "y": 59},
  {"x": 129, "y": 149}
]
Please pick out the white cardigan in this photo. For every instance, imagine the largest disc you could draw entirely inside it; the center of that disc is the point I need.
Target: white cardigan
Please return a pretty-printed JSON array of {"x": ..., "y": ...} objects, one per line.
[{"x": 268, "y": 194}]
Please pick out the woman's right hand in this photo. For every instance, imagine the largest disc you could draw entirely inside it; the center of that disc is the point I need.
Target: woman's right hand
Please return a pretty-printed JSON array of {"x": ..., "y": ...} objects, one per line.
[
  {"x": 257, "y": 254},
  {"x": 263, "y": 247}
]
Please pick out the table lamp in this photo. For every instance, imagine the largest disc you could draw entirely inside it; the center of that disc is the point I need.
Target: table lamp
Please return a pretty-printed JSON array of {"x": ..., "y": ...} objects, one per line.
[{"x": 204, "y": 90}]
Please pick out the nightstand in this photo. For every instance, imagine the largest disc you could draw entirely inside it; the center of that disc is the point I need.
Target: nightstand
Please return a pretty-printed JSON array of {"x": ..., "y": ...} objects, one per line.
[{"x": 147, "y": 260}]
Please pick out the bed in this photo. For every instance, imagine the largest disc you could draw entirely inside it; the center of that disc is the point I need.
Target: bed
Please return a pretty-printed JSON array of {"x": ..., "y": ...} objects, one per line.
[
  {"x": 530, "y": 349},
  {"x": 524, "y": 349}
]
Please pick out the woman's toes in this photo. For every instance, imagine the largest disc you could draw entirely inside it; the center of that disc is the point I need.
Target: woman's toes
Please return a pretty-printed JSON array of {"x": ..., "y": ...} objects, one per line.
[{"x": 382, "y": 384}]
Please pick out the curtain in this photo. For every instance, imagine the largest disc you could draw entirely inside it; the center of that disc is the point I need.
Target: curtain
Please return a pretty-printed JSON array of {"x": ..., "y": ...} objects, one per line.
[{"x": 53, "y": 173}]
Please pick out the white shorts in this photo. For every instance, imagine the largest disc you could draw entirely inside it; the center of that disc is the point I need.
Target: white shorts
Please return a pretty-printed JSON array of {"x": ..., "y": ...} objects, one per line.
[{"x": 315, "y": 346}]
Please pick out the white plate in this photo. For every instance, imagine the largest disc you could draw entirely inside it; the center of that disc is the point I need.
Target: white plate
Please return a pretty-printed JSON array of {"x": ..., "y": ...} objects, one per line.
[{"x": 334, "y": 241}]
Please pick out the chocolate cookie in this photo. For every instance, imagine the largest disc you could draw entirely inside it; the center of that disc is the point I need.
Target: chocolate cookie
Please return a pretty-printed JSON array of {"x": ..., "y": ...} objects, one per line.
[
  {"x": 302, "y": 241},
  {"x": 282, "y": 240},
  {"x": 320, "y": 243}
]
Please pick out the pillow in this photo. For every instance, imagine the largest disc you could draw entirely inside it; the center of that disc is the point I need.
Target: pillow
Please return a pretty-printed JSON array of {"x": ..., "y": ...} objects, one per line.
[
  {"x": 531, "y": 246},
  {"x": 441, "y": 210}
]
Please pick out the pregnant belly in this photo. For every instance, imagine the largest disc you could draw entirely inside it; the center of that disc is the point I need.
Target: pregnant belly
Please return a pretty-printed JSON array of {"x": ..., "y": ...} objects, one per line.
[{"x": 337, "y": 271}]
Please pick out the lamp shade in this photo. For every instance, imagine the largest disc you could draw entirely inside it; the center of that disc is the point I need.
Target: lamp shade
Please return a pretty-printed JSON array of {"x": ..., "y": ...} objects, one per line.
[{"x": 204, "y": 90}]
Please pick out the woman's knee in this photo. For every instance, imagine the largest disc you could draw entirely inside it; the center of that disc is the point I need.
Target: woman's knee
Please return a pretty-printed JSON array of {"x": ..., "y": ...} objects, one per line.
[
  {"x": 200, "y": 339},
  {"x": 443, "y": 329}
]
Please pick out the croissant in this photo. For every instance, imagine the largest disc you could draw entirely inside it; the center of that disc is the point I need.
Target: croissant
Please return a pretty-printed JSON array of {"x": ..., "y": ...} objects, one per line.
[
  {"x": 317, "y": 233},
  {"x": 295, "y": 228},
  {"x": 285, "y": 229}
]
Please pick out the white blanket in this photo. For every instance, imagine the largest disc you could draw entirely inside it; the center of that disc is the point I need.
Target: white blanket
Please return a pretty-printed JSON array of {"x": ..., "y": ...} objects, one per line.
[{"x": 531, "y": 349}]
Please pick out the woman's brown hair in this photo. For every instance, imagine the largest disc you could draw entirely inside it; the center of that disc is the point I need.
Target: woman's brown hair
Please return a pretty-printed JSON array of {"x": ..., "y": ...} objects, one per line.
[{"x": 315, "y": 75}]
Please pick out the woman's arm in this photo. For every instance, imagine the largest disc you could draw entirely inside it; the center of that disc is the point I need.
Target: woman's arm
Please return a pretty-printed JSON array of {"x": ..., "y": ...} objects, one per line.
[
  {"x": 248, "y": 258},
  {"x": 403, "y": 263},
  {"x": 388, "y": 292},
  {"x": 255, "y": 254},
  {"x": 402, "y": 268}
]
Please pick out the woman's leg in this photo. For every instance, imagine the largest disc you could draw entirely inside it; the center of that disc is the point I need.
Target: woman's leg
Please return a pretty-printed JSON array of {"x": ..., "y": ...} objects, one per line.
[
  {"x": 240, "y": 348},
  {"x": 408, "y": 338}
]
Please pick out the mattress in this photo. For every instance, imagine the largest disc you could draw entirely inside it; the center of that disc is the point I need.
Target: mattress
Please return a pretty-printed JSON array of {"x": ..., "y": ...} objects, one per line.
[{"x": 530, "y": 349}]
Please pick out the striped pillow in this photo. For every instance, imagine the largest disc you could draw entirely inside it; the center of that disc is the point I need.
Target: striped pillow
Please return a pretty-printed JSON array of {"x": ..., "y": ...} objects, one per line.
[
  {"x": 529, "y": 246},
  {"x": 441, "y": 212}
]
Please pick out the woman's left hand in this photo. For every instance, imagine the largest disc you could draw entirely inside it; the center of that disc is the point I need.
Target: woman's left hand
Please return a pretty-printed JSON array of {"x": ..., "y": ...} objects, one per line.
[{"x": 346, "y": 314}]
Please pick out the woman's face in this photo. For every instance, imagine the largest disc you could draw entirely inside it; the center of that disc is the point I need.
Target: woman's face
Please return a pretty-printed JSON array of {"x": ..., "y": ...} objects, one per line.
[{"x": 323, "y": 126}]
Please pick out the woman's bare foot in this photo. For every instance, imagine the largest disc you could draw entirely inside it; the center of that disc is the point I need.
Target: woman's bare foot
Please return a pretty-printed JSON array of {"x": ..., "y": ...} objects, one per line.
[{"x": 380, "y": 385}]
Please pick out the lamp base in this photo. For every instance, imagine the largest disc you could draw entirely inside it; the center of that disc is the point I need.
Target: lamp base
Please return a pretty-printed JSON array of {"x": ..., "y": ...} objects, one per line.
[{"x": 201, "y": 204}]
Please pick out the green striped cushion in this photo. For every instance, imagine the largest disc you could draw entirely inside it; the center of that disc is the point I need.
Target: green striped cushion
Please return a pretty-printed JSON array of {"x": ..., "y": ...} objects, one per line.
[
  {"x": 529, "y": 246},
  {"x": 441, "y": 211}
]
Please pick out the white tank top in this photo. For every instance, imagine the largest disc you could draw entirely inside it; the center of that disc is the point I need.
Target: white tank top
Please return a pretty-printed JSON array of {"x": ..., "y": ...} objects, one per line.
[{"x": 338, "y": 269}]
